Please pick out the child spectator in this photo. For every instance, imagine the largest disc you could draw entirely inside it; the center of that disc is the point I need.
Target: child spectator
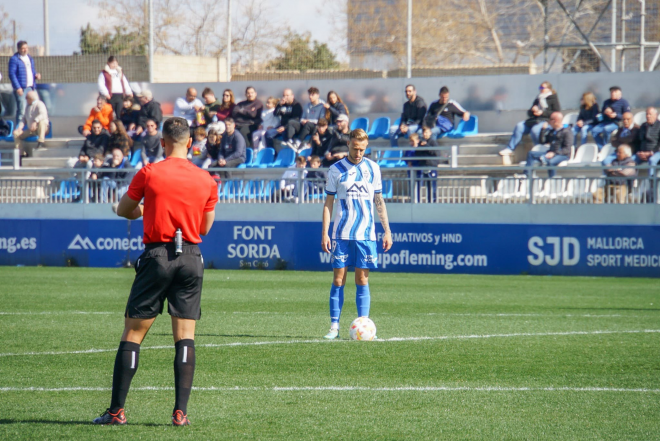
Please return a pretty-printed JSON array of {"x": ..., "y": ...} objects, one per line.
[
  {"x": 129, "y": 115},
  {"x": 315, "y": 177},
  {"x": 269, "y": 124},
  {"x": 320, "y": 139},
  {"x": 587, "y": 118},
  {"x": 197, "y": 151},
  {"x": 94, "y": 188},
  {"x": 289, "y": 182},
  {"x": 213, "y": 146}
]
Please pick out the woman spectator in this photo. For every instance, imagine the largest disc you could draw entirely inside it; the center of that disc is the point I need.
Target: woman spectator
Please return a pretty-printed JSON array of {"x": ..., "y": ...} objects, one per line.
[
  {"x": 545, "y": 104},
  {"x": 213, "y": 140},
  {"x": 227, "y": 105},
  {"x": 587, "y": 117},
  {"x": 119, "y": 138},
  {"x": 334, "y": 107}
]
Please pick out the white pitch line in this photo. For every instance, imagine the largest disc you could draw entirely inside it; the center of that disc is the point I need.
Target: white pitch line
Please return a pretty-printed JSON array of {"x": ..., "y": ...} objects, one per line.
[
  {"x": 344, "y": 389},
  {"x": 319, "y": 341},
  {"x": 57, "y": 313}
]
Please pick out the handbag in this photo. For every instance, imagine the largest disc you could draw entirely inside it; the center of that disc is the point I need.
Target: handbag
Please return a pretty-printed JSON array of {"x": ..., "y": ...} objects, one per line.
[{"x": 442, "y": 122}]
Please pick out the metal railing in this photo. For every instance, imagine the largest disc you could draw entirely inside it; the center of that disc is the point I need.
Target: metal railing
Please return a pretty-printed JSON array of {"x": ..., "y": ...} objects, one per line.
[
  {"x": 416, "y": 185},
  {"x": 10, "y": 158}
]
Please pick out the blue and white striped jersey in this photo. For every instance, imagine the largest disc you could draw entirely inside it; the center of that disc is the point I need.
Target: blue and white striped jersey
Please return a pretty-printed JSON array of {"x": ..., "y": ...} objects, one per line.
[{"x": 354, "y": 186}]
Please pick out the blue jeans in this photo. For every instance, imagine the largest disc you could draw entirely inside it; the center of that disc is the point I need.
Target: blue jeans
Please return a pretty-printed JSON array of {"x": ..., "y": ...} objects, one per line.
[
  {"x": 602, "y": 132},
  {"x": 427, "y": 179},
  {"x": 21, "y": 104},
  {"x": 583, "y": 131},
  {"x": 534, "y": 157},
  {"x": 653, "y": 162},
  {"x": 395, "y": 134},
  {"x": 523, "y": 129},
  {"x": 437, "y": 133},
  {"x": 610, "y": 159}
]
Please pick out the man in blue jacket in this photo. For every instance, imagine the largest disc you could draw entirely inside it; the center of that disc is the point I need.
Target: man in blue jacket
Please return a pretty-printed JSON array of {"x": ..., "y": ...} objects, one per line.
[
  {"x": 23, "y": 77},
  {"x": 613, "y": 110}
]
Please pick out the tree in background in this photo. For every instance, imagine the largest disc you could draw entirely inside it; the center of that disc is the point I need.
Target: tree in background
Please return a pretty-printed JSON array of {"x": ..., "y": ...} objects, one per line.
[
  {"x": 297, "y": 54},
  {"x": 120, "y": 42}
]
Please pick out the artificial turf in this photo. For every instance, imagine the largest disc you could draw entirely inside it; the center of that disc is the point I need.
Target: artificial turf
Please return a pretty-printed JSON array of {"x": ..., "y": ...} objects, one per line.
[{"x": 480, "y": 357}]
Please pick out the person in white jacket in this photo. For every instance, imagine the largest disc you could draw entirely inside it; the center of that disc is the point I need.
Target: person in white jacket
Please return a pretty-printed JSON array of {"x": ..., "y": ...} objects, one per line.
[
  {"x": 113, "y": 85},
  {"x": 269, "y": 122},
  {"x": 188, "y": 106}
]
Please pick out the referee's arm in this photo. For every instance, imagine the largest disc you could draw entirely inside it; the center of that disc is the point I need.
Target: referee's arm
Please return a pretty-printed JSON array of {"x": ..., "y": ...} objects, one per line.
[
  {"x": 131, "y": 209},
  {"x": 207, "y": 222}
]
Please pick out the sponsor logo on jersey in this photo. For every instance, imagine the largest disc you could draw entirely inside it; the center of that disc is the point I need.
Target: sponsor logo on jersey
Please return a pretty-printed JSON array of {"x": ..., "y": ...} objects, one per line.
[{"x": 358, "y": 189}]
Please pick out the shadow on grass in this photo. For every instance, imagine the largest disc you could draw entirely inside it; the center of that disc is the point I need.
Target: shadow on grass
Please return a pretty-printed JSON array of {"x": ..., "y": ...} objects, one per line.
[
  {"x": 244, "y": 335},
  {"x": 72, "y": 423}
]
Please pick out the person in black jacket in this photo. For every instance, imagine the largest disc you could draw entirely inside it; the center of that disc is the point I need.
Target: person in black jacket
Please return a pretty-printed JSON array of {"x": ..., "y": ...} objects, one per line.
[
  {"x": 247, "y": 114},
  {"x": 150, "y": 110},
  {"x": 128, "y": 115},
  {"x": 648, "y": 141},
  {"x": 587, "y": 118},
  {"x": 334, "y": 107},
  {"x": 412, "y": 116},
  {"x": 95, "y": 143},
  {"x": 426, "y": 178},
  {"x": 338, "y": 147},
  {"x": 289, "y": 110},
  {"x": 320, "y": 139},
  {"x": 544, "y": 105},
  {"x": 443, "y": 122},
  {"x": 560, "y": 140}
]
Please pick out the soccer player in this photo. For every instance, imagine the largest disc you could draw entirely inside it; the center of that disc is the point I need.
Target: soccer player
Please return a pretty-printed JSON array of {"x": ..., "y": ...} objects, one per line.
[
  {"x": 177, "y": 196},
  {"x": 355, "y": 182}
]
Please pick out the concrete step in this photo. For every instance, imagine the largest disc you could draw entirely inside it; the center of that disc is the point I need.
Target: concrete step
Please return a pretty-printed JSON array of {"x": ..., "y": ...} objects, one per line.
[
  {"x": 51, "y": 143},
  {"x": 480, "y": 149},
  {"x": 479, "y": 160},
  {"x": 47, "y": 162},
  {"x": 57, "y": 152}
]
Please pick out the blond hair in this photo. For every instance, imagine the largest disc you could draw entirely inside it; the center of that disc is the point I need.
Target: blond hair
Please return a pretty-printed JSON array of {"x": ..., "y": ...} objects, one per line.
[
  {"x": 588, "y": 100},
  {"x": 359, "y": 135}
]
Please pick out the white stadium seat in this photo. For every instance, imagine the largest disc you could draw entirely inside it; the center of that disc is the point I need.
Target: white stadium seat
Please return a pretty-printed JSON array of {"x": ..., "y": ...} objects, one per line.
[{"x": 640, "y": 118}]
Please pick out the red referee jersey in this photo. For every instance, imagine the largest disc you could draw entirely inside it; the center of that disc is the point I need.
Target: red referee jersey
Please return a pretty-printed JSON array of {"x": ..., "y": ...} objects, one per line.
[{"x": 176, "y": 195}]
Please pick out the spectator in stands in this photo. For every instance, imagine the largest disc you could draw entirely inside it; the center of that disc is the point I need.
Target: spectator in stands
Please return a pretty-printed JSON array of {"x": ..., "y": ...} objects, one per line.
[
  {"x": 247, "y": 115},
  {"x": 97, "y": 162},
  {"x": 412, "y": 116},
  {"x": 320, "y": 139},
  {"x": 129, "y": 114},
  {"x": 648, "y": 140},
  {"x": 425, "y": 178},
  {"x": 623, "y": 167},
  {"x": 34, "y": 122},
  {"x": 232, "y": 146},
  {"x": 227, "y": 106},
  {"x": 627, "y": 133},
  {"x": 150, "y": 109},
  {"x": 151, "y": 149},
  {"x": 113, "y": 85},
  {"x": 587, "y": 117},
  {"x": 334, "y": 107},
  {"x": 613, "y": 110},
  {"x": 441, "y": 113},
  {"x": 310, "y": 117},
  {"x": 101, "y": 112},
  {"x": 197, "y": 152},
  {"x": 315, "y": 177},
  {"x": 23, "y": 77},
  {"x": 95, "y": 143},
  {"x": 289, "y": 111},
  {"x": 114, "y": 176},
  {"x": 189, "y": 107},
  {"x": 213, "y": 146},
  {"x": 269, "y": 124},
  {"x": 211, "y": 105},
  {"x": 289, "y": 181},
  {"x": 338, "y": 147},
  {"x": 560, "y": 140},
  {"x": 545, "y": 104},
  {"x": 119, "y": 138}
]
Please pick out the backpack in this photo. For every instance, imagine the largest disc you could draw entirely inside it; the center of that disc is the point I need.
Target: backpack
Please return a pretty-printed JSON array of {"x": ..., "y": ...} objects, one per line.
[
  {"x": 442, "y": 122},
  {"x": 5, "y": 130}
]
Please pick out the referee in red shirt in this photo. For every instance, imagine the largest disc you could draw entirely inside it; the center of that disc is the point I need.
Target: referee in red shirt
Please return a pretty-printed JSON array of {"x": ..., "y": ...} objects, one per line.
[{"x": 177, "y": 196}]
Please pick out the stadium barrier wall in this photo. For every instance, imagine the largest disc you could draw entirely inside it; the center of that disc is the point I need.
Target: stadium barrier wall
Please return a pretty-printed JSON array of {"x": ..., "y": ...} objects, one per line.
[{"x": 291, "y": 240}]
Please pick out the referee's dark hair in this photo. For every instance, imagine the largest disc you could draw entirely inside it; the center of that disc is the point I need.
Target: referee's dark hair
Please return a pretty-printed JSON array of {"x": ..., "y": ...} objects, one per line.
[{"x": 176, "y": 130}]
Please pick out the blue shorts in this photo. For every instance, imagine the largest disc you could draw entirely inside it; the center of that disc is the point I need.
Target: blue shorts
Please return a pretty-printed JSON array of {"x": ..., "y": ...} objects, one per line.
[{"x": 356, "y": 253}]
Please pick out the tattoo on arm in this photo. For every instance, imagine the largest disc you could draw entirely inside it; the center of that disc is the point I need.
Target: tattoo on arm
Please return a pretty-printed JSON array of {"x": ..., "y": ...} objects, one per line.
[{"x": 379, "y": 202}]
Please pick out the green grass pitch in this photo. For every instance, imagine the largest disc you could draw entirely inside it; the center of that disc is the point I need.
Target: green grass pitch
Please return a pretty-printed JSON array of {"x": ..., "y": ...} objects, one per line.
[{"x": 458, "y": 357}]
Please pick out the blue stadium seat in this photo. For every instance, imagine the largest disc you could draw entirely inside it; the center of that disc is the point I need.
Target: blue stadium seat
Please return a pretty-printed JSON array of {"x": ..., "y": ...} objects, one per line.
[
  {"x": 465, "y": 128},
  {"x": 249, "y": 156},
  {"x": 380, "y": 128},
  {"x": 136, "y": 157},
  {"x": 387, "y": 189},
  {"x": 285, "y": 158},
  {"x": 388, "y": 159},
  {"x": 396, "y": 124},
  {"x": 69, "y": 189},
  {"x": 305, "y": 152},
  {"x": 9, "y": 137},
  {"x": 360, "y": 123},
  {"x": 264, "y": 158},
  {"x": 49, "y": 134}
]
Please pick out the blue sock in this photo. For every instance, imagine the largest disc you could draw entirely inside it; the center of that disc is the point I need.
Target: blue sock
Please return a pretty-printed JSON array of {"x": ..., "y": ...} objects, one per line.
[
  {"x": 336, "y": 303},
  {"x": 363, "y": 300}
]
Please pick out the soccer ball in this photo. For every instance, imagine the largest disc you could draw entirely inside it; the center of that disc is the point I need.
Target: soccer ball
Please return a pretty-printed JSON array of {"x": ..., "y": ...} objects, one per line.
[{"x": 362, "y": 328}]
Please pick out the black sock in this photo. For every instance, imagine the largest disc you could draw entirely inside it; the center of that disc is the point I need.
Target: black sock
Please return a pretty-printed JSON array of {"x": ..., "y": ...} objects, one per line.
[
  {"x": 126, "y": 364},
  {"x": 184, "y": 370}
]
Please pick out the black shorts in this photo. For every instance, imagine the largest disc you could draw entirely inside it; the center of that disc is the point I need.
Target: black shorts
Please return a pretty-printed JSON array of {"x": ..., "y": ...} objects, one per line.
[{"x": 162, "y": 274}]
